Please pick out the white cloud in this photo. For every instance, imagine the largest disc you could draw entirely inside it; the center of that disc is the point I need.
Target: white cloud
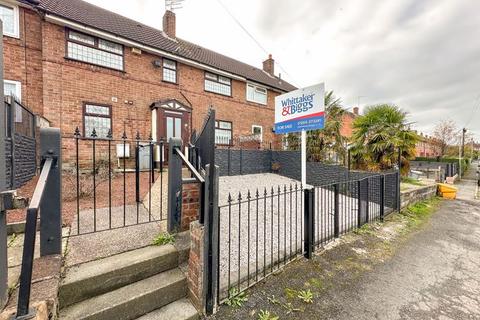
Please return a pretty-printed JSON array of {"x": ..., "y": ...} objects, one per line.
[{"x": 422, "y": 55}]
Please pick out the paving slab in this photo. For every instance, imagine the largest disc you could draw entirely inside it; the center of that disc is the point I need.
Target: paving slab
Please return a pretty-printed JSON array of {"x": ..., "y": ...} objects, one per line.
[
  {"x": 93, "y": 246},
  {"x": 179, "y": 310},
  {"x": 15, "y": 247},
  {"x": 45, "y": 280}
]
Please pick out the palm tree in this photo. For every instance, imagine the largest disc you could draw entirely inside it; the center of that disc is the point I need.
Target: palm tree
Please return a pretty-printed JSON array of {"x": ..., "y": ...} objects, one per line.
[
  {"x": 329, "y": 139},
  {"x": 378, "y": 135}
]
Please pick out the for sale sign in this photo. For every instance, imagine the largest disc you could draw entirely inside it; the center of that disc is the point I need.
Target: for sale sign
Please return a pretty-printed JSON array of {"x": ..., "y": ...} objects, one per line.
[{"x": 300, "y": 110}]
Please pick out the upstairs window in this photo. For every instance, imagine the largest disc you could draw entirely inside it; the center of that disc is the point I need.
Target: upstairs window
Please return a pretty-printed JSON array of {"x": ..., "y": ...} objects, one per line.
[
  {"x": 169, "y": 71},
  {"x": 89, "y": 49},
  {"x": 256, "y": 94},
  {"x": 9, "y": 16},
  {"x": 218, "y": 84},
  {"x": 98, "y": 117},
  {"x": 223, "y": 132}
]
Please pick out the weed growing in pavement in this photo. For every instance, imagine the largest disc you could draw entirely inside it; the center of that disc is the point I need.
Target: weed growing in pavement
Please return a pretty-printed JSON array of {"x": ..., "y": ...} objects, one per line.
[
  {"x": 287, "y": 305},
  {"x": 367, "y": 229},
  {"x": 236, "y": 299},
  {"x": 273, "y": 300},
  {"x": 266, "y": 315},
  {"x": 11, "y": 240},
  {"x": 418, "y": 212},
  {"x": 164, "y": 238},
  {"x": 290, "y": 293},
  {"x": 306, "y": 296}
]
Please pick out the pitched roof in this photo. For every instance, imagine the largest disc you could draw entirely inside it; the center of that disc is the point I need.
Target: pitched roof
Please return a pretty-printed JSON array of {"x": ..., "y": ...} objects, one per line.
[{"x": 107, "y": 21}]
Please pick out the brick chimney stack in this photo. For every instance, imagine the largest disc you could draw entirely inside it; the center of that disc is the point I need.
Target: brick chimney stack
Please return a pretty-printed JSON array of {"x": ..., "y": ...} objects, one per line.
[
  {"x": 269, "y": 65},
  {"x": 355, "y": 111},
  {"x": 169, "y": 24}
]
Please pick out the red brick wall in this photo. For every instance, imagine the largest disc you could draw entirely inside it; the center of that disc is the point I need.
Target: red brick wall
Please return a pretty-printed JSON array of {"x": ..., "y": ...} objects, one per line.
[
  {"x": 190, "y": 204},
  {"x": 196, "y": 265},
  {"x": 58, "y": 87},
  {"x": 23, "y": 59}
]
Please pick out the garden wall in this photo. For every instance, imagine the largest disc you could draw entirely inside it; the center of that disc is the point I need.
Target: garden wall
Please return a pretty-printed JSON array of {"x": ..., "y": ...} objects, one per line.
[
  {"x": 24, "y": 164},
  {"x": 449, "y": 169},
  {"x": 412, "y": 196}
]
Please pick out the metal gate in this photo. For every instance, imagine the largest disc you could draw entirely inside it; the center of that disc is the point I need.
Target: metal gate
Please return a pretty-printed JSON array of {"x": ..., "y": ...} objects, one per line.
[{"x": 111, "y": 183}]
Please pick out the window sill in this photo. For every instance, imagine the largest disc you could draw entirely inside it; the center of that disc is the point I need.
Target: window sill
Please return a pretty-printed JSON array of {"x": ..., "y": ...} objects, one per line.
[
  {"x": 12, "y": 36},
  {"x": 220, "y": 94},
  {"x": 169, "y": 82}
]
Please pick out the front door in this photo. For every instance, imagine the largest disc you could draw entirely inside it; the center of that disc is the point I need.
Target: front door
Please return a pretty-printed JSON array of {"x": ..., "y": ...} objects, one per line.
[
  {"x": 173, "y": 125},
  {"x": 173, "y": 120}
]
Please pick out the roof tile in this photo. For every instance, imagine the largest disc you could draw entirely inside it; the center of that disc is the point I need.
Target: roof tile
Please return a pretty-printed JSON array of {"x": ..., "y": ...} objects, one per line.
[{"x": 107, "y": 21}]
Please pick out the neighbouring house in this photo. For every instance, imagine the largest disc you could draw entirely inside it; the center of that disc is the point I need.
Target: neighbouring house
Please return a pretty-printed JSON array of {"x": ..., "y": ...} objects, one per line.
[
  {"x": 347, "y": 122},
  {"x": 427, "y": 147},
  {"x": 82, "y": 66}
]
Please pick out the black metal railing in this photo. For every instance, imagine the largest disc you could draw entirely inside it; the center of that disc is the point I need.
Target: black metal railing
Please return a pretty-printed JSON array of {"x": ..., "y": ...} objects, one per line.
[
  {"x": 262, "y": 231},
  {"x": 48, "y": 207},
  {"x": 29, "y": 241},
  {"x": 115, "y": 182}
]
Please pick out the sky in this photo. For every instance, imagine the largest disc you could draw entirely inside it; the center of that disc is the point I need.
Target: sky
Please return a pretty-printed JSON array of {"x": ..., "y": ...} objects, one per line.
[{"x": 422, "y": 55}]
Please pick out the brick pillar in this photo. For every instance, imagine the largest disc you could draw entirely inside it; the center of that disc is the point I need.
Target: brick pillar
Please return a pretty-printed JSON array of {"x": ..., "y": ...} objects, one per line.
[
  {"x": 196, "y": 266},
  {"x": 190, "y": 204}
]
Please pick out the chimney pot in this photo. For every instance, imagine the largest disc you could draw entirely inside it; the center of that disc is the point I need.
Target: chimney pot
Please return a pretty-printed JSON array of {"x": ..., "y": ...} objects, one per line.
[
  {"x": 169, "y": 23},
  {"x": 269, "y": 65}
]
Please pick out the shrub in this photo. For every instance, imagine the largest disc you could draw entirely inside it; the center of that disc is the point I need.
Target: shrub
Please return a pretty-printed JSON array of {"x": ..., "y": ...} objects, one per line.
[{"x": 85, "y": 180}]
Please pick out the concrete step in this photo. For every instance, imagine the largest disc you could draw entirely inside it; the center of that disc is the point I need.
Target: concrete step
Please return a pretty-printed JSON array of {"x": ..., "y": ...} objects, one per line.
[
  {"x": 131, "y": 301},
  {"x": 179, "y": 310},
  {"x": 97, "y": 277}
]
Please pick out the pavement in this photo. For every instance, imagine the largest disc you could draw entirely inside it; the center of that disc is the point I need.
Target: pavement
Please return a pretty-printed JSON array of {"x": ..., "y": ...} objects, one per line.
[
  {"x": 434, "y": 276},
  {"x": 429, "y": 273},
  {"x": 468, "y": 184}
]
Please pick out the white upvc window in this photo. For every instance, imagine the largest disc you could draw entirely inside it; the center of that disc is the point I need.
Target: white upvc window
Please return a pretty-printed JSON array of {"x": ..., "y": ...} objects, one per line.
[
  {"x": 93, "y": 50},
  {"x": 11, "y": 87},
  {"x": 10, "y": 18},
  {"x": 98, "y": 117},
  {"x": 257, "y": 131},
  {"x": 218, "y": 84},
  {"x": 256, "y": 94},
  {"x": 169, "y": 70},
  {"x": 223, "y": 132}
]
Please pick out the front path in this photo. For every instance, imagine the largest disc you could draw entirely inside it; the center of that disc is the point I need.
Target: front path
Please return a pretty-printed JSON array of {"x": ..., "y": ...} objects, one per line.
[{"x": 432, "y": 273}]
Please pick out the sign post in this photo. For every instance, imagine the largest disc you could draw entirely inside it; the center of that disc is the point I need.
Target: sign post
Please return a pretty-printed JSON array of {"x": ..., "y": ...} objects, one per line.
[
  {"x": 304, "y": 157},
  {"x": 299, "y": 111}
]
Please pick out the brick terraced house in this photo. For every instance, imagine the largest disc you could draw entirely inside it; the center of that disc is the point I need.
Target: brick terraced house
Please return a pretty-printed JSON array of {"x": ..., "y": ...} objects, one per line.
[
  {"x": 79, "y": 65},
  {"x": 427, "y": 147}
]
